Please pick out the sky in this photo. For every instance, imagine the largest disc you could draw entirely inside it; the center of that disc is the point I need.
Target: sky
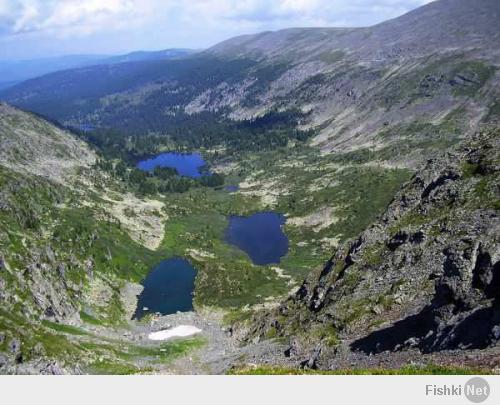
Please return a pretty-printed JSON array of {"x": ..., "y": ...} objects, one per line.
[{"x": 44, "y": 28}]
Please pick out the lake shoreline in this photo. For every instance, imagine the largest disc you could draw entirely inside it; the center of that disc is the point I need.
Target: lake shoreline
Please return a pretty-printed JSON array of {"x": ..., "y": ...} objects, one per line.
[
  {"x": 167, "y": 289},
  {"x": 187, "y": 164},
  {"x": 260, "y": 235}
]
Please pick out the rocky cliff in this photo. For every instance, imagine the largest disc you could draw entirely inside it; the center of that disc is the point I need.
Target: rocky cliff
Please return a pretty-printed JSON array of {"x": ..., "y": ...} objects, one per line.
[{"x": 425, "y": 276}]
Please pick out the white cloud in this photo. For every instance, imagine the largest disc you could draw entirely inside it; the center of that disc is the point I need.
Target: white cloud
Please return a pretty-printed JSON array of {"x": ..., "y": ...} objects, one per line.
[
  {"x": 39, "y": 15},
  {"x": 161, "y": 23},
  {"x": 21, "y": 16}
]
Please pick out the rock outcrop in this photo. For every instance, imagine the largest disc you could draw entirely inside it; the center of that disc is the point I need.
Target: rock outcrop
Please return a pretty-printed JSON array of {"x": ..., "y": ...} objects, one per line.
[{"x": 425, "y": 276}]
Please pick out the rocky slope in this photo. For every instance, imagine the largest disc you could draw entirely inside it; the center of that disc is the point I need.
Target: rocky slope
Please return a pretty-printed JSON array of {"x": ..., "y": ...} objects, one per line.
[
  {"x": 365, "y": 87},
  {"x": 64, "y": 237},
  {"x": 424, "y": 79},
  {"x": 425, "y": 276},
  {"x": 40, "y": 159},
  {"x": 32, "y": 146}
]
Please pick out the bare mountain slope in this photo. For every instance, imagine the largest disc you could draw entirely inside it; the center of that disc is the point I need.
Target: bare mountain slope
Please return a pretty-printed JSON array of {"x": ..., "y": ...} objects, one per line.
[
  {"x": 32, "y": 145},
  {"x": 364, "y": 86},
  {"x": 418, "y": 82},
  {"x": 441, "y": 25}
]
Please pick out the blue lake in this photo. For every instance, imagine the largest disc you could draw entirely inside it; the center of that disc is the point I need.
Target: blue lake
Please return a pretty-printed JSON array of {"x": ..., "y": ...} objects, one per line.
[
  {"x": 187, "y": 164},
  {"x": 168, "y": 288},
  {"x": 260, "y": 235}
]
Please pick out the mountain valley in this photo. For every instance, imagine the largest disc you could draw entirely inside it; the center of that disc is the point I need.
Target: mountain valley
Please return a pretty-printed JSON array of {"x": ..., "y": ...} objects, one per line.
[{"x": 378, "y": 147}]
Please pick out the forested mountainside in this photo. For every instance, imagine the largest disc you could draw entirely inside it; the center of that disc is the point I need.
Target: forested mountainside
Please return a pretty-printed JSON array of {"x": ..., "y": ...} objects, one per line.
[
  {"x": 418, "y": 82},
  {"x": 424, "y": 277}
]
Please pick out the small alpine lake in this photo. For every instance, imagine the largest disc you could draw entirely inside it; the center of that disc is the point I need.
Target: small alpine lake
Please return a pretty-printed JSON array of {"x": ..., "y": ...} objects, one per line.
[
  {"x": 168, "y": 288},
  {"x": 259, "y": 235},
  {"x": 186, "y": 164}
]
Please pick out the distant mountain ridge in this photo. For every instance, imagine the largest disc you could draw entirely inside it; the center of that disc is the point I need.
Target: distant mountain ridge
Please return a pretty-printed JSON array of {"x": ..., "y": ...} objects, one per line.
[
  {"x": 433, "y": 72},
  {"x": 138, "y": 56},
  {"x": 13, "y": 72},
  {"x": 442, "y": 24}
]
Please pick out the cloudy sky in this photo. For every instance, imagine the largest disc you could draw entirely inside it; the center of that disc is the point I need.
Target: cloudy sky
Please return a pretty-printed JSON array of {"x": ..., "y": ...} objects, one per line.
[{"x": 38, "y": 28}]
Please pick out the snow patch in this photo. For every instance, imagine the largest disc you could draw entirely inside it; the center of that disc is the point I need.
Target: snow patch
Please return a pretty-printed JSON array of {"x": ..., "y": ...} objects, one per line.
[{"x": 178, "y": 331}]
